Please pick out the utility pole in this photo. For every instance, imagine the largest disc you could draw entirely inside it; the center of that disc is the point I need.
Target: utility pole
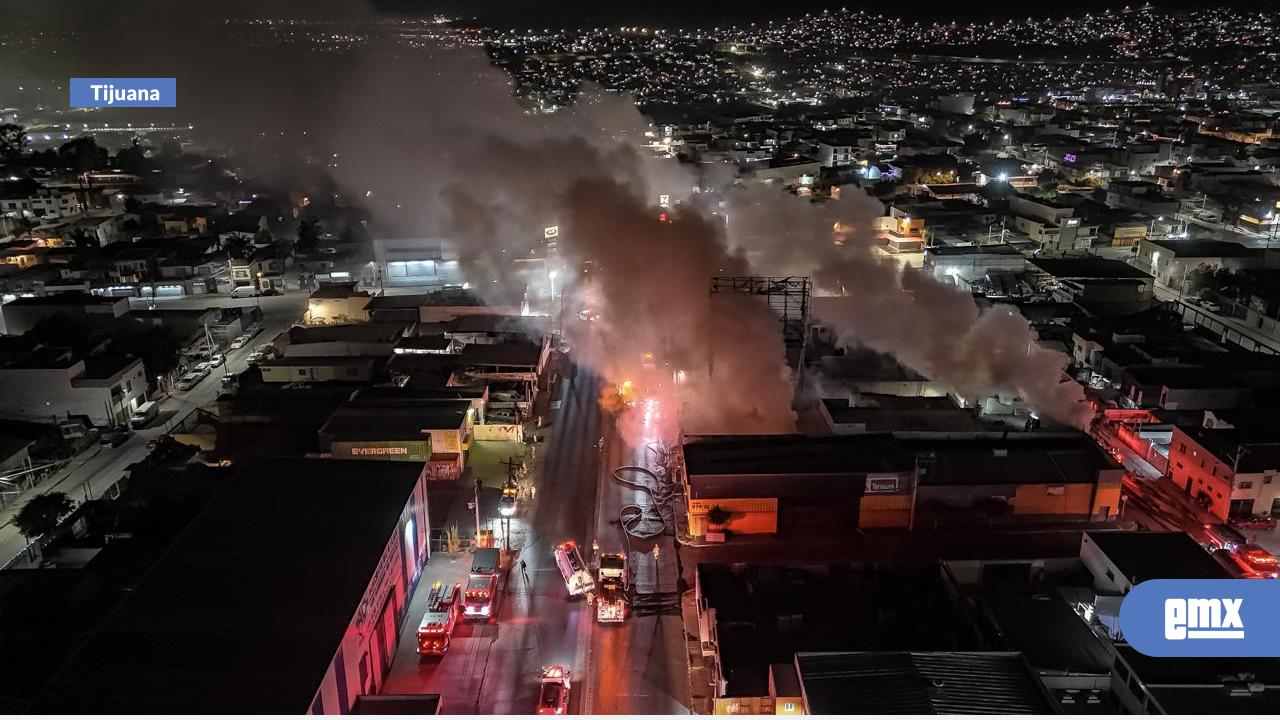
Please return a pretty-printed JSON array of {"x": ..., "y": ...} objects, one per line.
[{"x": 479, "y": 482}]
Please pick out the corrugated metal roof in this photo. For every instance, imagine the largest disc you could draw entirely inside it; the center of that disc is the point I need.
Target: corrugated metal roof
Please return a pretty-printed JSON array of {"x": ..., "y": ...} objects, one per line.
[{"x": 948, "y": 683}]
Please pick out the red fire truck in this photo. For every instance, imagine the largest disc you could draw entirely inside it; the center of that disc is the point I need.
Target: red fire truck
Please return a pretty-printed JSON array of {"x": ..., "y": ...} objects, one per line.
[
  {"x": 437, "y": 622},
  {"x": 482, "y": 585}
]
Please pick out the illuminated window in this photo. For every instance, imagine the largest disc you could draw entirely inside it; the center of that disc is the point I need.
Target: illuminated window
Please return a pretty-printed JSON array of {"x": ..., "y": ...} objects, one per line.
[{"x": 789, "y": 707}]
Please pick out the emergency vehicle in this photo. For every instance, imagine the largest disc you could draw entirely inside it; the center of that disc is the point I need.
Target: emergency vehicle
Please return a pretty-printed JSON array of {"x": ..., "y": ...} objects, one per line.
[{"x": 438, "y": 621}]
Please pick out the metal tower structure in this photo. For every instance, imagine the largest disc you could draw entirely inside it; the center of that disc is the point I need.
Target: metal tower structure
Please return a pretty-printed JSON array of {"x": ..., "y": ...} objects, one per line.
[{"x": 787, "y": 297}]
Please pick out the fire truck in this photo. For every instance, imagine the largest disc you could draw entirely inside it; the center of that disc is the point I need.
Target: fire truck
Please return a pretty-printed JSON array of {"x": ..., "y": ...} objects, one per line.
[
  {"x": 577, "y": 578},
  {"x": 482, "y": 585},
  {"x": 611, "y": 598},
  {"x": 437, "y": 622}
]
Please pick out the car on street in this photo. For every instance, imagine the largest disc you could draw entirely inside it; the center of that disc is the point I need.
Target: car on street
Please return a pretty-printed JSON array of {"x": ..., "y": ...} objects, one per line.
[
  {"x": 263, "y": 352},
  {"x": 1210, "y": 306},
  {"x": 1259, "y": 560},
  {"x": 216, "y": 360},
  {"x": 1222, "y": 537},
  {"x": 241, "y": 341},
  {"x": 1237, "y": 567},
  {"x": 190, "y": 380},
  {"x": 507, "y": 501},
  {"x": 1253, "y": 522},
  {"x": 553, "y": 698},
  {"x": 202, "y": 368},
  {"x": 115, "y": 437}
]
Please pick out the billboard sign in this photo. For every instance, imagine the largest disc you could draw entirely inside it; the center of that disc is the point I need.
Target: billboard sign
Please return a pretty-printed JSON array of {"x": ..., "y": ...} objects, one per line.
[{"x": 400, "y": 450}]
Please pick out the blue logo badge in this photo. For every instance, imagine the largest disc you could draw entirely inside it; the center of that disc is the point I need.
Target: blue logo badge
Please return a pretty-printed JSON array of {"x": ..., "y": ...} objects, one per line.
[
  {"x": 1203, "y": 618},
  {"x": 124, "y": 92}
]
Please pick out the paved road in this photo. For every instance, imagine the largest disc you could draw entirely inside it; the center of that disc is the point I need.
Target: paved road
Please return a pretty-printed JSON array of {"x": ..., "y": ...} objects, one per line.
[
  {"x": 94, "y": 471},
  {"x": 494, "y": 668},
  {"x": 638, "y": 668}
]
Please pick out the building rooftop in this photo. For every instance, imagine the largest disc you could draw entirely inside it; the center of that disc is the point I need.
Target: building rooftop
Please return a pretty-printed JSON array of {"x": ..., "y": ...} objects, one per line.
[
  {"x": 105, "y": 366},
  {"x": 337, "y": 291},
  {"x": 1014, "y": 458},
  {"x": 925, "y": 418},
  {"x": 245, "y": 611},
  {"x": 396, "y": 705},
  {"x": 525, "y": 355},
  {"x": 1249, "y": 450},
  {"x": 1090, "y": 268},
  {"x": 1142, "y": 555},
  {"x": 794, "y": 454},
  {"x": 372, "y": 332},
  {"x": 1055, "y": 640},
  {"x": 496, "y": 323},
  {"x": 954, "y": 250},
  {"x": 423, "y": 343},
  {"x": 921, "y": 683},
  {"x": 1194, "y": 248},
  {"x": 66, "y": 299},
  {"x": 320, "y": 360},
  {"x": 1208, "y": 686},
  {"x": 390, "y": 420}
]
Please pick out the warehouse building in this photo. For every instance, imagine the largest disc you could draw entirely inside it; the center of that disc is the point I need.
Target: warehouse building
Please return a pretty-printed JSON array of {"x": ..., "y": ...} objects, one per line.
[{"x": 284, "y": 596}]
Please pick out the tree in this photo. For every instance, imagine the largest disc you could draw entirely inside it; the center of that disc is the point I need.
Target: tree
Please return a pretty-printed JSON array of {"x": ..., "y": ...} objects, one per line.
[
  {"x": 1047, "y": 181},
  {"x": 132, "y": 159},
  {"x": 13, "y": 138},
  {"x": 308, "y": 235},
  {"x": 47, "y": 159},
  {"x": 42, "y": 513},
  {"x": 83, "y": 155},
  {"x": 157, "y": 348}
]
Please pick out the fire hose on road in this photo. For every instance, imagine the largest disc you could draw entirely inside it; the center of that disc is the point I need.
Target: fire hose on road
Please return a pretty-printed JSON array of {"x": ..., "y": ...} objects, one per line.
[{"x": 644, "y": 522}]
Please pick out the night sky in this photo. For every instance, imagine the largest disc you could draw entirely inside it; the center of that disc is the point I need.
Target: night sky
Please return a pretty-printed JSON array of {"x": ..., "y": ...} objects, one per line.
[{"x": 558, "y": 13}]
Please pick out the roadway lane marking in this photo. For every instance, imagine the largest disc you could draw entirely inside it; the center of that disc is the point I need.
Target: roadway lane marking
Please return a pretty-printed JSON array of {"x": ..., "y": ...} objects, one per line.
[{"x": 584, "y": 656}]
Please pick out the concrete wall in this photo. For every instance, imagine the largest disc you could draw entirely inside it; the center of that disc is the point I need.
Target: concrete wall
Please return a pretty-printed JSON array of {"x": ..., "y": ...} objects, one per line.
[
  {"x": 320, "y": 372},
  {"x": 1107, "y": 578}
]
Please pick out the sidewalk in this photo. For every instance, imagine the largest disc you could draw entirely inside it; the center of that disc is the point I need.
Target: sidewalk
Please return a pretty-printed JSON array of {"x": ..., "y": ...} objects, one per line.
[{"x": 50, "y": 481}]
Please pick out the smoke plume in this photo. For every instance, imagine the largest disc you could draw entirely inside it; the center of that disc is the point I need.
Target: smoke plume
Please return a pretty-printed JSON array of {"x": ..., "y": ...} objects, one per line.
[{"x": 936, "y": 330}]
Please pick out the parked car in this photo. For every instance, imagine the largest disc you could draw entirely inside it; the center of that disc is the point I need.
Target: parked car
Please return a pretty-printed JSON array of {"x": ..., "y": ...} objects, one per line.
[
  {"x": 201, "y": 368},
  {"x": 1237, "y": 567},
  {"x": 216, "y": 360},
  {"x": 1254, "y": 522},
  {"x": 1210, "y": 306},
  {"x": 1258, "y": 559},
  {"x": 1222, "y": 537},
  {"x": 190, "y": 380},
  {"x": 115, "y": 437},
  {"x": 240, "y": 341}
]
